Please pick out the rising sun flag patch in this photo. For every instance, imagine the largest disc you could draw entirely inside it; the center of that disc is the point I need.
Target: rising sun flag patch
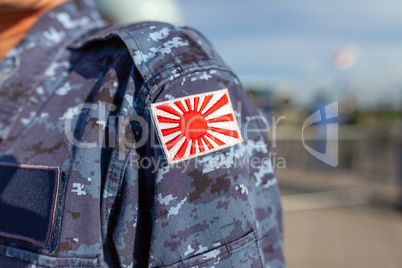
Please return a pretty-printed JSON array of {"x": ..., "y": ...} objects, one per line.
[{"x": 196, "y": 125}]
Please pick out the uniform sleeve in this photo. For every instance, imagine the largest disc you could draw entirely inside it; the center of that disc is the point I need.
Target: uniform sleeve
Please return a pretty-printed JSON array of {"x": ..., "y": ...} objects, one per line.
[{"x": 201, "y": 166}]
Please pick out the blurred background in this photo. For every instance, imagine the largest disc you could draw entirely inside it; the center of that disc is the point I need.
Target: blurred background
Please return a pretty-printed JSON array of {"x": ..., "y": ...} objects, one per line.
[{"x": 295, "y": 58}]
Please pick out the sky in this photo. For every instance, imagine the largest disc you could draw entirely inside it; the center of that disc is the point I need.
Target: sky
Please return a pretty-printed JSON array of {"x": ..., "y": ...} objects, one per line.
[{"x": 289, "y": 45}]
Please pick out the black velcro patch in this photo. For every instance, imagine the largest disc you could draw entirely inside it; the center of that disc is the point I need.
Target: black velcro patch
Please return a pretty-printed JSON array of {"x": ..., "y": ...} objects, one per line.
[{"x": 30, "y": 197}]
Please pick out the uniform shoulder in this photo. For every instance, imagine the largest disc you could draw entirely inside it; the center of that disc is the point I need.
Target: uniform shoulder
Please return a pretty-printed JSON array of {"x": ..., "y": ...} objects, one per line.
[
  {"x": 151, "y": 32},
  {"x": 159, "y": 49}
]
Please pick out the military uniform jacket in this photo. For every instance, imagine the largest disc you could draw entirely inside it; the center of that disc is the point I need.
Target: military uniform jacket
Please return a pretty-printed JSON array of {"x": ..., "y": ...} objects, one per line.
[{"x": 85, "y": 180}]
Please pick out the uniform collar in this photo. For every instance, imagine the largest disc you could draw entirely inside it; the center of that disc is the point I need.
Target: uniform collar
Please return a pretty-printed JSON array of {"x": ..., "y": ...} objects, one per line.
[
  {"x": 25, "y": 64},
  {"x": 51, "y": 31}
]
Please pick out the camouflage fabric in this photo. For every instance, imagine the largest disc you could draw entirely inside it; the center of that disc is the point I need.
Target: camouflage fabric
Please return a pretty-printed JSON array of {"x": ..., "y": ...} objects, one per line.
[{"x": 75, "y": 94}]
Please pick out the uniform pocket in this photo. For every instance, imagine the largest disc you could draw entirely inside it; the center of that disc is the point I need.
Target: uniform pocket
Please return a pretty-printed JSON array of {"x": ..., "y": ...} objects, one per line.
[
  {"x": 241, "y": 253},
  {"x": 31, "y": 204}
]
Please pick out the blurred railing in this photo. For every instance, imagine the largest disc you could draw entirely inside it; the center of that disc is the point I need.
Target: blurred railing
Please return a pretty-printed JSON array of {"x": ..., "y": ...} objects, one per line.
[{"x": 367, "y": 160}]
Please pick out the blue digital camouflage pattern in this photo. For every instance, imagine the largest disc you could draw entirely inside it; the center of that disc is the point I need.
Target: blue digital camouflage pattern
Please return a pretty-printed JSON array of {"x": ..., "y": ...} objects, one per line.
[{"x": 124, "y": 206}]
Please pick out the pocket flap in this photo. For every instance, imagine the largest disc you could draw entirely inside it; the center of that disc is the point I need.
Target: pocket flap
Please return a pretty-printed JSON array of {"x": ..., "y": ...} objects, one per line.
[
  {"x": 240, "y": 253},
  {"x": 30, "y": 203}
]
